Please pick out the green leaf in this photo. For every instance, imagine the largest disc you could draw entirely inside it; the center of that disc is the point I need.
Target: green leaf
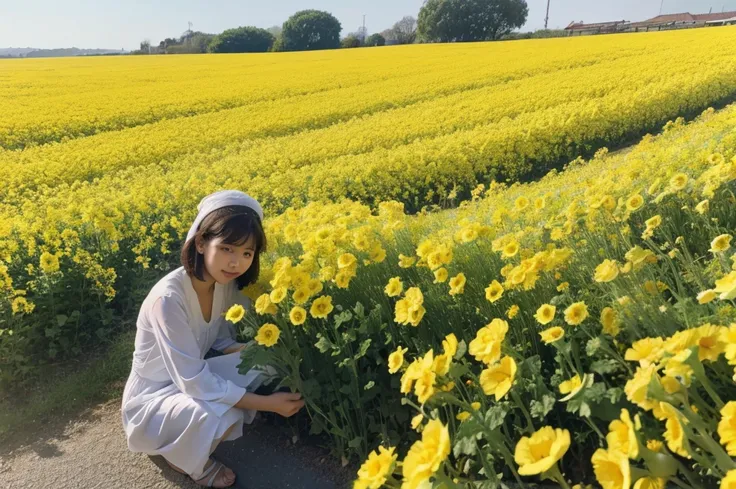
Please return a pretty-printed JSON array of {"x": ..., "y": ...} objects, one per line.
[
  {"x": 606, "y": 366},
  {"x": 363, "y": 349},
  {"x": 496, "y": 415},
  {"x": 592, "y": 346},
  {"x": 343, "y": 317},
  {"x": 61, "y": 319},
  {"x": 540, "y": 409},
  {"x": 323, "y": 344},
  {"x": 462, "y": 348},
  {"x": 356, "y": 442},
  {"x": 369, "y": 385},
  {"x": 464, "y": 446}
]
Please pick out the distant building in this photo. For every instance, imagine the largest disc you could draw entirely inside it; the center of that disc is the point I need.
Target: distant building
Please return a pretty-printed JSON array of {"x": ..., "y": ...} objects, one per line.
[
  {"x": 679, "y": 21},
  {"x": 659, "y": 23},
  {"x": 581, "y": 29}
]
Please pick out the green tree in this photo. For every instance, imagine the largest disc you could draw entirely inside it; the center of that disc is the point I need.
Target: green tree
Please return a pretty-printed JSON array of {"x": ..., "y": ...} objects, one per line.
[
  {"x": 350, "y": 41},
  {"x": 375, "y": 40},
  {"x": 309, "y": 30},
  {"x": 242, "y": 40},
  {"x": 470, "y": 20}
]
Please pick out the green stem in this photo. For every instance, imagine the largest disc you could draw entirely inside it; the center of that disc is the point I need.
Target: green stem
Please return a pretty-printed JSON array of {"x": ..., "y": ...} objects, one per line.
[
  {"x": 554, "y": 473},
  {"x": 529, "y": 422}
]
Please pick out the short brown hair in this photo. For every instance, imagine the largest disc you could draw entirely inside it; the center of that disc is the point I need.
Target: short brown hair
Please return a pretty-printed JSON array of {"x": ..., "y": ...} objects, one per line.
[{"x": 234, "y": 224}]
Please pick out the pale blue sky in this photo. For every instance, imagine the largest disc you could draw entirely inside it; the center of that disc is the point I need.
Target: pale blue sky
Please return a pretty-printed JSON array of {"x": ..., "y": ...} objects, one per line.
[{"x": 117, "y": 24}]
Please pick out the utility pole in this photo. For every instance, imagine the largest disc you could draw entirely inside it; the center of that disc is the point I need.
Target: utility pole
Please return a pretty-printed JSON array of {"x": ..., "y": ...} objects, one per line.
[
  {"x": 660, "y": 7},
  {"x": 546, "y": 19},
  {"x": 363, "y": 29}
]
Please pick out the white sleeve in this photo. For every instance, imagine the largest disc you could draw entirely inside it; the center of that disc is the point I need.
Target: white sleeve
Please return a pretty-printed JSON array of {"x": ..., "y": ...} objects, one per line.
[
  {"x": 181, "y": 356},
  {"x": 225, "y": 336}
]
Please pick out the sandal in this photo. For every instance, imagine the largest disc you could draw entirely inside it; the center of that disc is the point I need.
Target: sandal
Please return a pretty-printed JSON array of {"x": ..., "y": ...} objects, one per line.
[{"x": 209, "y": 470}]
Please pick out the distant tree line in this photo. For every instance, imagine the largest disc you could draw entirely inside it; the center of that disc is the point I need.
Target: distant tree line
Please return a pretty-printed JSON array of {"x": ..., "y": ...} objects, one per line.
[{"x": 306, "y": 30}]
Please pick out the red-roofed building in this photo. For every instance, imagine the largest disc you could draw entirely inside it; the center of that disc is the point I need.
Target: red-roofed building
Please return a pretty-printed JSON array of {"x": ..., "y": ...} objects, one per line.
[
  {"x": 684, "y": 20},
  {"x": 580, "y": 28},
  {"x": 679, "y": 21}
]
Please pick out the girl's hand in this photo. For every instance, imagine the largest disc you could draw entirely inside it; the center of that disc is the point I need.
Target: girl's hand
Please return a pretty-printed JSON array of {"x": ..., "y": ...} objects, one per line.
[{"x": 286, "y": 404}]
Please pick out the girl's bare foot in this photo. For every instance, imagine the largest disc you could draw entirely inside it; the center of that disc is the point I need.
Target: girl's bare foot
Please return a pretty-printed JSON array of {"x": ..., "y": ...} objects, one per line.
[{"x": 215, "y": 474}]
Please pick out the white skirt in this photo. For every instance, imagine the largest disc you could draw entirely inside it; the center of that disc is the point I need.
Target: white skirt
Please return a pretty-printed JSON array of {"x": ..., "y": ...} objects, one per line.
[{"x": 161, "y": 420}]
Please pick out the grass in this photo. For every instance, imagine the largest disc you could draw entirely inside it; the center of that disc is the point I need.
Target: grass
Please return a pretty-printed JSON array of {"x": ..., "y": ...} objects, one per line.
[{"x": 68, "y": 390}]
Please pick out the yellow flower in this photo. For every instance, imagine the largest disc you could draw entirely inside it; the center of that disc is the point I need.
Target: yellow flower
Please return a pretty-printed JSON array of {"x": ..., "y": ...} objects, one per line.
[
  {"x": 552, "y": 334},
  {"x": 512, "y": 311},
  {"x": 494, "y": 291},
  {"x": 268, "y": 335},
  {"x": 710, "y": 342},
  {"x": 726, "y": 286},
  {"x": 442, "y": 363},
  {"x": 678, "y": 181},
  {"x": 727, "y": 427},
  {"x": 440, "y": 275},
  {"x": 321, "y": 307},
  {"x": 545, "y": 313},
  {"x": 414, "y": 296},
  {"x": 720, "y": 243},
  {"x": 729, "y": 482},
  {"x": 538, "y": 453},
  {"x": 650, "y": 483},
  {"x": 612, "y": 469},
  {"x": 425, "y": 378},
  {"x": 449, "y": 345},
  {"x": 576, "y": 313},
  {"x": 462, "y": 416},
  {"x": 374, "y": 471},
  {"x": 346, "y": 260},
  {"x": 49, "y": 262},
  {"x": 634, "y": 202},
  {"x": 394, "y": 287},
  {"x": 457, "y": 284},
  {"x": 235, "y": 313},
  {"x": 706, "y": 296},
  {"x": 521, "y": 203},
  {"x": 396, "y": 360},
  {"x": 563, "y": 286},
  {"x": 622, "y": 435},
  {"x": 571, "y": 385},
  {"x": 426, "y": 455},
  {"x": 416, "y": 421},
  {"x": 606, "y": 271},
  {"x": 655, "y": 445},
  {"x": 298, "y": 315},
  {"x": 264, "y": 305},
  {"x": 406, "y": 261},
  {"x": 510, "y": 249},
  {"x": 301, "y": 295},
  {"x": 609, "y": 321},
  {"x": 653, "y": 222},
  {"x": 486, "y": 346},
  {"x": 674, "y": 434},
  {"x": 277, "y": 294},
  {"x": 497, "y": 379},
  {"x": 326, "y": 273},
  {"x": 645, "y": 351},
  {"x": 702, "y": 206}
]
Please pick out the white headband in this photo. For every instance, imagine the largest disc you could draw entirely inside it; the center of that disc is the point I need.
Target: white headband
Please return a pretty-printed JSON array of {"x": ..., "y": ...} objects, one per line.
[{"x": 223, "y": 198}]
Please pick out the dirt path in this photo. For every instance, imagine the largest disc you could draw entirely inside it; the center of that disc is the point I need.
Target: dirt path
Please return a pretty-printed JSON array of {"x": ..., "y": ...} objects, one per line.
[{"x": 90, "y": 452}]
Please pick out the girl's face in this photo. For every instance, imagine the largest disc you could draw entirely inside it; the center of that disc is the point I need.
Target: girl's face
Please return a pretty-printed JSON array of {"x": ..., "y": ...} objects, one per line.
[{"x": 225, "y": 262}]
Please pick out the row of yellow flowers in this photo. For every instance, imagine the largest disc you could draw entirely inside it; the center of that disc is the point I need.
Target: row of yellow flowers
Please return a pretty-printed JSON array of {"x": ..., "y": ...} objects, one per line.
[
  {"x": 579, "y": 329},
  {"x": 494, "y": 119},
  {"x": 48, "y": 100}
]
